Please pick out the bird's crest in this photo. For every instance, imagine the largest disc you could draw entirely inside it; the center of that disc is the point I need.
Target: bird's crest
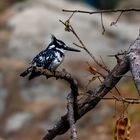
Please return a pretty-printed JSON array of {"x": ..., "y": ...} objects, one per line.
[{"x": 53, "y": 38}]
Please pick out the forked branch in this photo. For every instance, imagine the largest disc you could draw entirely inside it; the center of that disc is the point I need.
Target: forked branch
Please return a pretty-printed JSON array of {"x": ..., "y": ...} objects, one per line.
[{"x": 92, "y": 100}]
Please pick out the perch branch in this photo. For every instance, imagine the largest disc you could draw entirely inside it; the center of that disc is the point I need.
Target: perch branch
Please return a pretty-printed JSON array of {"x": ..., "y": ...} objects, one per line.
[
  {"x": 92, "y": 100},
  {"x": 72, "y": 96}
]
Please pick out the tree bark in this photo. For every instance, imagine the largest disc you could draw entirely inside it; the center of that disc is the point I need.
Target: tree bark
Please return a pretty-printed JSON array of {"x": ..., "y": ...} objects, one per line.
[{"x": 134, "y": 61}]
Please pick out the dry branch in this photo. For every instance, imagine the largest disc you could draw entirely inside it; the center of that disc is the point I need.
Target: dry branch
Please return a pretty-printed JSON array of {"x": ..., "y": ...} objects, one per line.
[
  {"x": 131, "y": 61},
  {"x": 134, "y": 60},
  {"x": 83, "y": 46},
  {"x": 92, "y": 100},
  {"x": 103, "y": 11},
  {"x": 71, "y": 98},
  {"x": 71, "y": 115},
  {"x": 95, "y": 96}
]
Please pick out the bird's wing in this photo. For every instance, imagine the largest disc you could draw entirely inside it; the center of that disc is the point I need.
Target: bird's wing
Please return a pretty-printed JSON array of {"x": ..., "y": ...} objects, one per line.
[
  {"x": 49, "y": 59},
  {"x": 44, "y": 58},
  {"x": 39, "y": 59}
]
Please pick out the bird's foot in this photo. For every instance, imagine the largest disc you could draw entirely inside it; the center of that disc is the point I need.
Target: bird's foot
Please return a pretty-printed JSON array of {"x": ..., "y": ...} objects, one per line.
[{"x": 66, "y": 74}]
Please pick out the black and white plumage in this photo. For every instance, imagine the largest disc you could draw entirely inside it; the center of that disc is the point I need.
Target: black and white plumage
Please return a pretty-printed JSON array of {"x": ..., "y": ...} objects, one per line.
[{"x": 50, "y": 58}]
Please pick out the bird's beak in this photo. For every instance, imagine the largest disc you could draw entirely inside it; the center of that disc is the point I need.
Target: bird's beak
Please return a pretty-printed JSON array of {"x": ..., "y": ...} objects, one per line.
[{"x": 71, "y": 49}]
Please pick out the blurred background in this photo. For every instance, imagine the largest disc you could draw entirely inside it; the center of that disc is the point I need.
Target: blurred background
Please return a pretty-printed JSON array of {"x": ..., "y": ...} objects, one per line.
[{"x": 29, "y": 108}]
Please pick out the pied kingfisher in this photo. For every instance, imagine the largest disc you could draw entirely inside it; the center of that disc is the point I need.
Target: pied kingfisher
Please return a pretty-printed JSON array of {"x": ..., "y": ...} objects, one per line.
[{"x": 50, "y": 58}]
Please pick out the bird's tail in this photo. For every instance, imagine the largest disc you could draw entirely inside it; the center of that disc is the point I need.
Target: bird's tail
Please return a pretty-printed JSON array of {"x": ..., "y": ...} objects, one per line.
[
  {"x": 26, "y": 72},
  {"x": 32, "y": 71},
  {"x": 34, "y": 74}
]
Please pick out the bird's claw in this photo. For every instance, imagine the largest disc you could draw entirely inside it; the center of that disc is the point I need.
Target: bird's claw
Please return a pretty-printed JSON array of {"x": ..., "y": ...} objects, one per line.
[{"x": 66, "y": 74}]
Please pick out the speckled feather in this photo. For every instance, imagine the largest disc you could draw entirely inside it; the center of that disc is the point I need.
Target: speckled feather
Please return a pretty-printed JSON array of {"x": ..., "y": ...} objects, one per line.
[{"x": 49, "y": 59}]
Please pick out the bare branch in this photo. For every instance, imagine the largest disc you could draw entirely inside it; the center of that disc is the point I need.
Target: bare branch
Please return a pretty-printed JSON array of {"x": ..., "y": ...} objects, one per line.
[
  {"x": 104, "y": 11},
  {"x": 71, "y": 98},
  {"x": 127, "y": 100},
  {"x": 103, "y": 27},
  {"x": 115, "y": 22},
  {"x": 71, "y": 115},
  {"x": 83, "y": 46},
  {"x": 95, "y": 96},
  {"x": 119, "y": 53},
  {"x": 123, "y": 99},
  {"x": 91, "y": 101},
  {"x": 134, "y": 60}
]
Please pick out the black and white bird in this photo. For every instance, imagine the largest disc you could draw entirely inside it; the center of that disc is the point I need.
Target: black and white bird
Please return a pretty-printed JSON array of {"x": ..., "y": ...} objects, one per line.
[{"x": 50, "y": 58}]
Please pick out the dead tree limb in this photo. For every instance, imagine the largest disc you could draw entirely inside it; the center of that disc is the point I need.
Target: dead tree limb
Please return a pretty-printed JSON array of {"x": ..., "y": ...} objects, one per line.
[
  {"x": 134, "y": 60},
  {"x": 71, "y": 115},
  {"x": 92, "y": 100},
  {"x": 95, "y": 96},
  {"x": 71, "y": 98}
]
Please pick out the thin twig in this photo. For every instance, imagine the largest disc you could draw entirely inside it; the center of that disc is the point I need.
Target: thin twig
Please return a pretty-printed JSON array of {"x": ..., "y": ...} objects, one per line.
[
  {"x": 120, "y": 98},
  {"x": 84, "y": 47},
  {"x": 115, "y": 22},
  {"x": 119, "y": 53},
  {"x": 127, "y": 100},
  {"x": 71, "y": 16},
  {"x": 78, "y": 45},
  {"x": 103, "y": 62},
  {"x": 103, "y": 27},
  {"x": 104, "y": 11}
]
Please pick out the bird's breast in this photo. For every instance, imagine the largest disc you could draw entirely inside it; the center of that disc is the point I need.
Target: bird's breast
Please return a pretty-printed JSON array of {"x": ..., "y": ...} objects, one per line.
[
  {"x": 57, "y": 61},
  {"x": 59, "y": 57}
]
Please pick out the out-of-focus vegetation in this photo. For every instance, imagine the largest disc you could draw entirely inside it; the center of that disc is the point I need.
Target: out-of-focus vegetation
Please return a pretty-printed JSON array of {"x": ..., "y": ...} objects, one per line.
[
  {"x": 4, "y": 4},
  {"x": 103, "y": 4}
]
